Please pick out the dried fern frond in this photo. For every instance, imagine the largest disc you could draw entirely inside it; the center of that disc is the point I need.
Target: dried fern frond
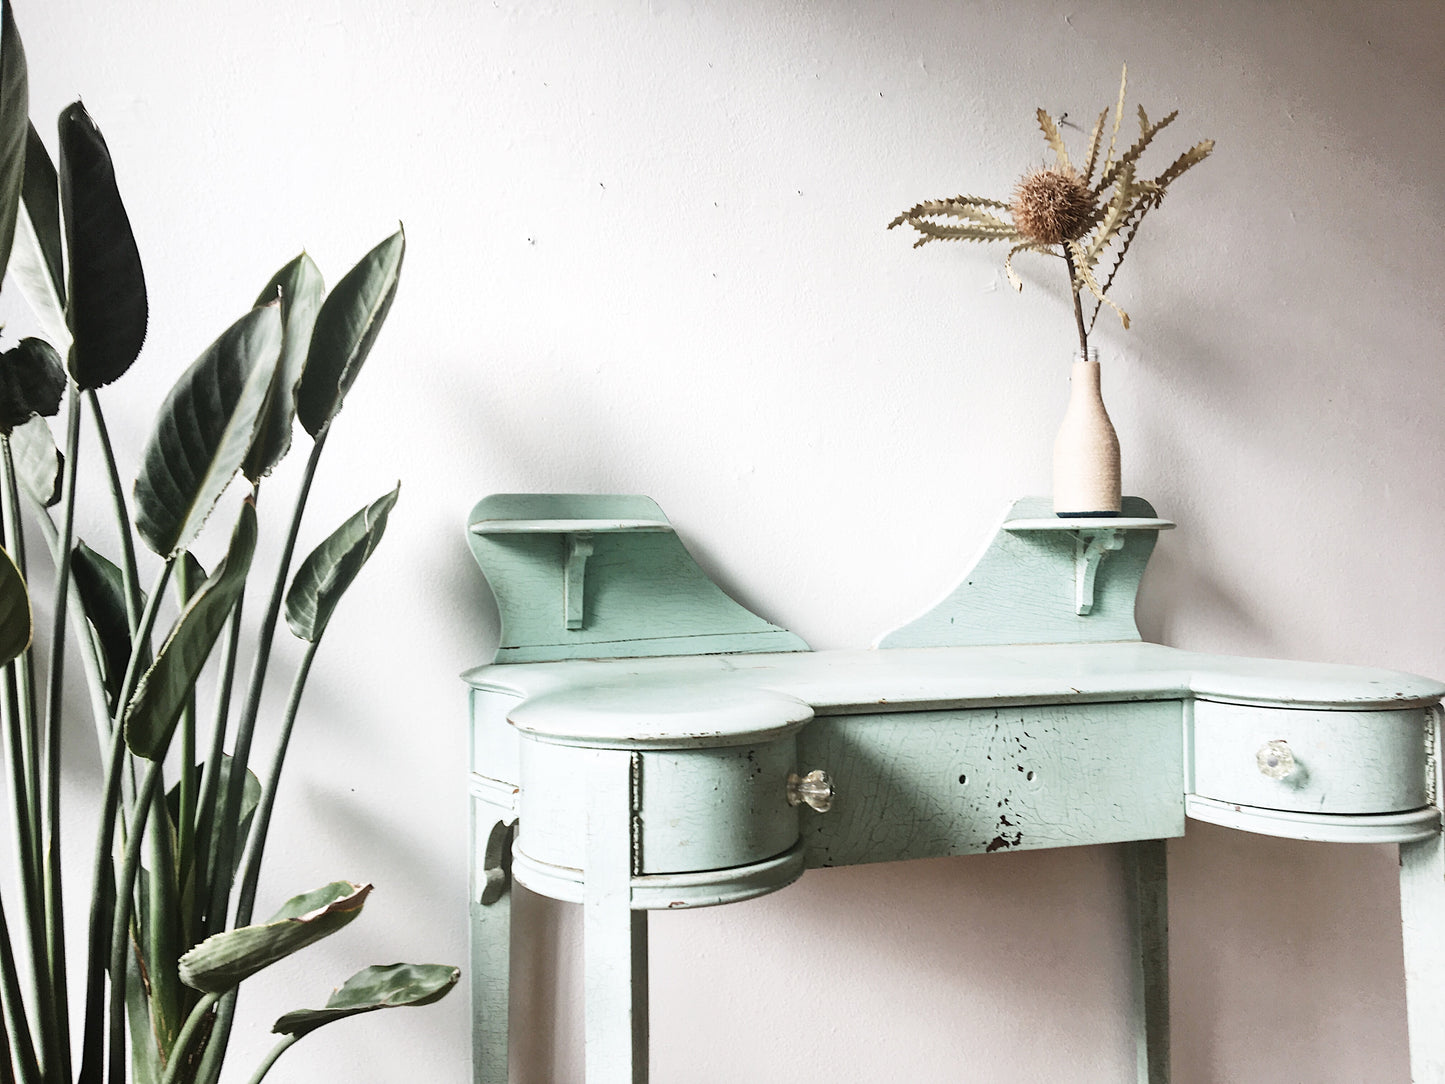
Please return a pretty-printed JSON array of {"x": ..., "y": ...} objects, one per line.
[
  {"x": 1192, "y": 157},
  {"x": 1131, "y": 227},
  {"x": 1147, "y": 133},
  {"x": 1056, "y": 141},
  {"x": 937, "y": 231},
  {"x": 1094, "y": 146},
  {"x": 1086, "y": 279},
  {"x": 1114, "y": 214},
  {"x": 1008, "y": 261},
  {"x": 1118, "y": 116}
]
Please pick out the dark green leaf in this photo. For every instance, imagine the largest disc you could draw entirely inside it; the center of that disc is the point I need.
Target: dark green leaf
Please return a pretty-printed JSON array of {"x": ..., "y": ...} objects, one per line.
[
  {"x": 329, "y": 569},
  {"x": 225, "y": 959},
  {"x": 250, "y": 798},
  {"x": 204, "y": 430},
  {"x": 15, "y": 620},
  {"x": 38, "y": 462},
  {"x": 14, "y": 119},
  {"x": 107, "y": 305},
  {"x": 36, "y": 263},
  {"x": 32, "y": 380},
  {"x": 299, "y": 287},
  {"x": 102, "y": 594},
  {"x": 155, "y": 707},
  {"x": 378, "y": 987},
  {"x": 346, "y": 327}
]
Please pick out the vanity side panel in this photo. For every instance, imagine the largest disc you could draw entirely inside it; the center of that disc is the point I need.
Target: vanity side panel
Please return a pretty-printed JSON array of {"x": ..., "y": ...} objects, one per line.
[{"x": 931, "y": 783}]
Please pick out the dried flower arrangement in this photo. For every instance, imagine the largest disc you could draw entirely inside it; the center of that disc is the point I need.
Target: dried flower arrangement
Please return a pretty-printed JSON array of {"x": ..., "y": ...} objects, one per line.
[{"x": 1061, "y": 210}]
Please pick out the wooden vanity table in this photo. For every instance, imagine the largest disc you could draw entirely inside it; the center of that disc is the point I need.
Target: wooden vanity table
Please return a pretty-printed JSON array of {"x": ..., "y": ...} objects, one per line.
[{"x": 641, "y": 742}]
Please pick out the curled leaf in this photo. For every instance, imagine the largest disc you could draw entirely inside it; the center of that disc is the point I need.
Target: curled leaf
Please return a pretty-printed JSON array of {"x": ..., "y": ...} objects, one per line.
[
  {"x": 379, "y": 987},
  {"x": 329, "y": 569},
  {"x": 299, "y": 288},
  {"x": 14, "y": 120},
  {"x": 32, "y": 381},
  {"x": 15, "y": 618},
  {"x": 223, "y": 960},
  {"x": 38, "y": 462}
]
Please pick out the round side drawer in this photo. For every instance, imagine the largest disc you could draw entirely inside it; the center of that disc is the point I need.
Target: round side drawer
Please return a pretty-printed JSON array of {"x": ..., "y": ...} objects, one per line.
[
  {"x": 695, "y": 809},
  {"x": 1312, "y": 761}
]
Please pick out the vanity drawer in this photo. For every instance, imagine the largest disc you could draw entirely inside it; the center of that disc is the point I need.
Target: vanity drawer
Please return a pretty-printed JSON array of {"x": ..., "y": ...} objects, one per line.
[
  {"x": 1309, "y": 760},
  {"x": 695, "y": 809}
]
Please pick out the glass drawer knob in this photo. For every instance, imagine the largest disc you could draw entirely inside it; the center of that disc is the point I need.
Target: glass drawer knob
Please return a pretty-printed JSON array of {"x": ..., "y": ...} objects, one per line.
[
  {"x": 815, "y": 789},
  {"x": 1275, "y": 759}
]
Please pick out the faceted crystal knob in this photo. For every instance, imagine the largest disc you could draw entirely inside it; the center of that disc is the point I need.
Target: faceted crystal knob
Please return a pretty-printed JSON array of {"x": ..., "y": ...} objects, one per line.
[
  {"x": 815, "y": 789},
  {"x": 1276, "y": 760}
]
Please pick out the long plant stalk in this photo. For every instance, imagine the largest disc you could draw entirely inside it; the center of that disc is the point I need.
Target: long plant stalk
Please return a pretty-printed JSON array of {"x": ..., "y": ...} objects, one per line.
[
  {"x": 270, "y": 1059},
  {"x": 245, "y": 902},
  {"x": 187, "y": 1036},
  {"x": 14, "y": 1006},
  {"x": 27, "y": 853},
  {"x": 120, "y": 935},
  {"x": 186, "y": 820},
  {"x": 93, "y": 1050},
  {"x": 129, "y": 576},
  {"x": 25, "y": 665},
  {"x": 1078, "y": 305},
  {"x": 240, "y": 756},
  {"x": 203, "y": 923},
  {"x": 54, "y": 701}
]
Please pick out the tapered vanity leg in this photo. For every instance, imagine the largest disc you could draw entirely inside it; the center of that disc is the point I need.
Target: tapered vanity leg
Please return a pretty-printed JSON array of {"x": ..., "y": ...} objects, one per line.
[
  {"x": 491, "y": 940},
  {"x": 1422, "y": 918},
  {"x": 614, "y": 935},
  {"x": 1147, "y": 885}
]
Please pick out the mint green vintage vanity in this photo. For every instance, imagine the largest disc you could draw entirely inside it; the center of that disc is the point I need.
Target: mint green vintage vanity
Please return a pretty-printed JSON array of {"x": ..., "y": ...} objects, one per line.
[{"x": 641, "y": 741}]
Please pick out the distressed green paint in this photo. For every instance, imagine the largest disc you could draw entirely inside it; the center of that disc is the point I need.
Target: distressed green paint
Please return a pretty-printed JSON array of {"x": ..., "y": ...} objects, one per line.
[
  {"x": 642, "y": 593},
  {"x": 1022, "y": 589},
  {"x": 647, "y": 748}
]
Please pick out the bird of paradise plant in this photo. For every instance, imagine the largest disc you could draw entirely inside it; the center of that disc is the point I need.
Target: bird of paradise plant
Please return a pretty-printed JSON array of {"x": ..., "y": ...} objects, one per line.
[
  {"x": 1086, "y": 214},
  {"x": 174, "y": 882}
]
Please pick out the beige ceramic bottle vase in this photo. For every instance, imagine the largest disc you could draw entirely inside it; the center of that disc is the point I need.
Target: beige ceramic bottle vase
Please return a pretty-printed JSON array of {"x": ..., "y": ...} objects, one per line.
[{"x": 1086, "y": 452}]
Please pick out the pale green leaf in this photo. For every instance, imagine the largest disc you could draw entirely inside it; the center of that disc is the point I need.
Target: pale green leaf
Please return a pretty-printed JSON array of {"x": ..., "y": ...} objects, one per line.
[
  {"x": 223, "y": 960},
  {"x": 36, "y": 262},
  {"x": 38, "y": 462},
  {"x": 378, "y": 987},
  {"x": 329, "y": 569}
]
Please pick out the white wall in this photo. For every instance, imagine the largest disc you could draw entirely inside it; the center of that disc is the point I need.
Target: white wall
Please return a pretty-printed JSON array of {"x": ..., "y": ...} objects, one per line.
[{"x": 646, "y": 254}]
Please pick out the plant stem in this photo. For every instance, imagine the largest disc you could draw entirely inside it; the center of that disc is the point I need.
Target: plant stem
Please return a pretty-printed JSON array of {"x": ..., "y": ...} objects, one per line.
[
  {"x": 25, "y": 671},
  {"x": 14, "y": 1005},
  {"x": 262, "y": 822},
  {"x": 120, "y": 920},
  {"x": 186, "y": 817},
  {"x": 203, "y": 925},
  {"x": 246, "y": 726},
  {"x": 1078, "y": 305},
  {"x": 187, "y": 1036},
  {"x": 55, "y": 695},
  {"x": 122, "y": 516},
  {"x": 276, "y": 1051},
  {"x": 245, "y": 729},
  {"x": 90, "y": 1067}
]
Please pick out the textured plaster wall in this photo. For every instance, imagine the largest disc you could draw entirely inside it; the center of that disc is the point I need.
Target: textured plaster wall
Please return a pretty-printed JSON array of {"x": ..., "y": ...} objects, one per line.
[{"x": 646, "y": 254}]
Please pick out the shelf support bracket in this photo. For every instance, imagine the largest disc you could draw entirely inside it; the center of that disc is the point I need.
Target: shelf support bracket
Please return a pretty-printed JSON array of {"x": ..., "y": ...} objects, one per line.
[
  {"x": 1091, "y": 547},
  {"x": 578, "y": 549}
]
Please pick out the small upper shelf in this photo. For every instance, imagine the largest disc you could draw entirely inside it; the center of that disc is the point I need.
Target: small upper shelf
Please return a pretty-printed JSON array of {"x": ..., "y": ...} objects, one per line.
[
  {"x": 1089, "y": 523},
  {"x": 565, "y": 526}
]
